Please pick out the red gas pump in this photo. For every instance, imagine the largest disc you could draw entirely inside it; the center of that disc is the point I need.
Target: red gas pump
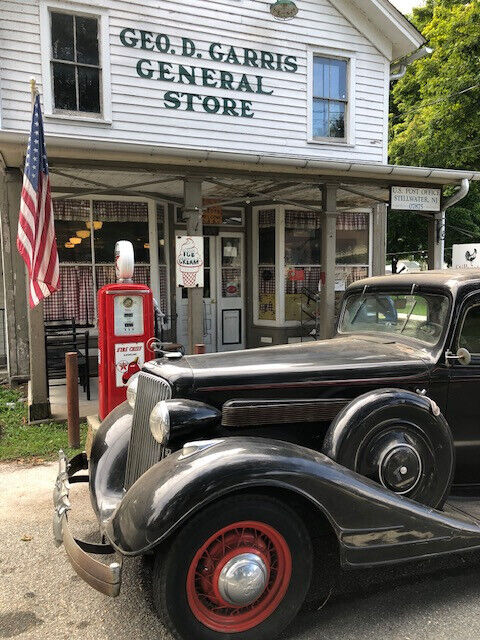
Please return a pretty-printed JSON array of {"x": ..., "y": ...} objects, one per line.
[{"x": 125, "y": 325}]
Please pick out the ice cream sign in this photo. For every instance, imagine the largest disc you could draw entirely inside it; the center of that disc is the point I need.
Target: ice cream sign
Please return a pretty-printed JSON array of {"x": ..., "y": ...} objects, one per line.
[{"x": 189, "y": 261}]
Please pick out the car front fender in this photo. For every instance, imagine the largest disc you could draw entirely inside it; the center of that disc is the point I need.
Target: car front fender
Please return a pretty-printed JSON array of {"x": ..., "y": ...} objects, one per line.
[
  {"x": 373, "y": 525},
  {"x": 108, "y": 460}
]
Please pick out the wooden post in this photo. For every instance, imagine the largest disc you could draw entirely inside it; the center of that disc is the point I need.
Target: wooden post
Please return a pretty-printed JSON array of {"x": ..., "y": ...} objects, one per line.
[
  {"x": 199, "y": 348},
  {"x": 192, "y": 190},
  {"x": 71, "y": 368}
]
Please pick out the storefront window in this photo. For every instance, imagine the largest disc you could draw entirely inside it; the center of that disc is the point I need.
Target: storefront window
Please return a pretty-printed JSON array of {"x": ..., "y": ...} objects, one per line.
[
  {"x": 300, "y": 277},
  {"x": 352, "y": 238},
  {"x": 266, "y": 265},
  {"x": 329, "y": 97},
  {"x": 86, "y": 235},
  {"x": 303, "y": 242}
]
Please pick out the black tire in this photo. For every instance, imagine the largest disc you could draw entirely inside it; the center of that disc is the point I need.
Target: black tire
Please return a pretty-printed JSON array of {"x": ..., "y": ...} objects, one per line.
[
  {"x": 172, "y": 582},
  {"x": 389, "y": 432}
]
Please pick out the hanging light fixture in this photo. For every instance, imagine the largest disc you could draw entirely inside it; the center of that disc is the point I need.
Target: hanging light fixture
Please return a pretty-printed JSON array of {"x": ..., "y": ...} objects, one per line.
[
  {"x": 97, "y": 224},
  {"x": 83, "y": 233},
  {"x": 283, "y": 9},
  {"x": 75, "y": 240},
  {"x": 69, "y": 245}
]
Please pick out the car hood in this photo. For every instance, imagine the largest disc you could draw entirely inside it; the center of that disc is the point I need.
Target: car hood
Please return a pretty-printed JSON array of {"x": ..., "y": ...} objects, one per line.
[{"x": 344, "y": 358}]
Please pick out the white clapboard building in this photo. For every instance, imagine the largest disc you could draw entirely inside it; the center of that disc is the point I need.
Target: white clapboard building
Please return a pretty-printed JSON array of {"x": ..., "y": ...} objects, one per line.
[{"x": 210, "y": 118}]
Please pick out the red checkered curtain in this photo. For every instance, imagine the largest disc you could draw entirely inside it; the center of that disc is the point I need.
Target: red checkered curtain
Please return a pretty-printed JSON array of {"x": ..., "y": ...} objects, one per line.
[
  {"x": 105, "y": 274},
  {"x": 75, "y": 297},
  {"x": 352, "y": 221}
]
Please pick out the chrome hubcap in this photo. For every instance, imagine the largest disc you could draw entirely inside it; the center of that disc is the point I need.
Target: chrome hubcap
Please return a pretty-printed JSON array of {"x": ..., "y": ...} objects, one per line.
[
  {"x": 400, "y": 468},
  {"x": 243, "y": 579}
]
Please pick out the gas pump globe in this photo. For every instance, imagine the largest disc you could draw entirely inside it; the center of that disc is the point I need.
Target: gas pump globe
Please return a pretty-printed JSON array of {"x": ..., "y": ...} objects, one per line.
[{"x": 125, "y": 330}]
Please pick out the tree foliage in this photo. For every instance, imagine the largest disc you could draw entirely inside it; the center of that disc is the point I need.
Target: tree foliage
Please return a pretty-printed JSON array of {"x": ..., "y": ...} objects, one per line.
[{"x": 435, "y": 113}]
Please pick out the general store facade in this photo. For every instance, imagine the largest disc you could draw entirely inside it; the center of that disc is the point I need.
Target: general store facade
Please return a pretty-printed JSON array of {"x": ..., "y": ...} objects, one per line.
[{"x": 210, "y": 118}]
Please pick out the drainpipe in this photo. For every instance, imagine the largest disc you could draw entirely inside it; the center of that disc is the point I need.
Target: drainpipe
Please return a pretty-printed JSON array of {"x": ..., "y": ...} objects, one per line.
[{"x": 440, "y": 221}]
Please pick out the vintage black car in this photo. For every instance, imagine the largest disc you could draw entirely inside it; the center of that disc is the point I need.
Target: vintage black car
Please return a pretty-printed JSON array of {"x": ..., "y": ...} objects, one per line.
[{"x": 236, "y": 471}]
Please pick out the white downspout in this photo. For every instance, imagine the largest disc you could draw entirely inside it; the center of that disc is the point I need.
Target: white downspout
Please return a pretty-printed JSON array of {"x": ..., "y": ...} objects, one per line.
[{"x": 440, "y": 223}]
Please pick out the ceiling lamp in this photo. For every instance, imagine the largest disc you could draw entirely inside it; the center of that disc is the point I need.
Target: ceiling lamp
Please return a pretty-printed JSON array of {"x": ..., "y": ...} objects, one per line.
[
  {"x": 97, "y": 224},
  {"x": 283, "y": 9},
  {"x": 83, "y": 233},
  {"x": 146, "y": 245},
  {"x": 69, "y": 245},
  {"x": 75, "y": 240}
]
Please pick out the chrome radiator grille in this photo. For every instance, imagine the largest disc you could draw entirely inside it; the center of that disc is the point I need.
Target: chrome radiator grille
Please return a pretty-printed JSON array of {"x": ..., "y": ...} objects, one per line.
[{"x": 143, "y": 450}]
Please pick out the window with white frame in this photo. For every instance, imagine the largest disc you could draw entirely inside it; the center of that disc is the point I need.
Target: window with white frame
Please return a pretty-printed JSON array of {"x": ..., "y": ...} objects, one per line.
[
  {"x": 288, "y": 255},
  {"x": 330, "y": 98},
  {"x": 75, "y": 63}
]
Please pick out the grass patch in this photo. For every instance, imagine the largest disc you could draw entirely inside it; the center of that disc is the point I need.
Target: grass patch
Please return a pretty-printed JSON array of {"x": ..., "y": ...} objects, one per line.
[{"x": 26, "y": 442}]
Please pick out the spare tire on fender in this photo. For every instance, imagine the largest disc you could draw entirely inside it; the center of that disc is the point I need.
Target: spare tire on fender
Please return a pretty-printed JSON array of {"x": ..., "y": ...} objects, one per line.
[{"x": 399, "y": 439}]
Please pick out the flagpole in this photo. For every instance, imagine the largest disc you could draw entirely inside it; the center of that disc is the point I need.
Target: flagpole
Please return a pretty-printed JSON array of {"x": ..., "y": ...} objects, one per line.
[{"x": 38, "y": 400}]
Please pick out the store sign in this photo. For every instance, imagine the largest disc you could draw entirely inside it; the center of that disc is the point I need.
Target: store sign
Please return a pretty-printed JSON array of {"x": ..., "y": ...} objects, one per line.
[
  {"x": 243, "y": 72},
  {"x": 466, "y": 256},
  {"x": 415, "y": 199},
  {"x": 189, "y": 261}
]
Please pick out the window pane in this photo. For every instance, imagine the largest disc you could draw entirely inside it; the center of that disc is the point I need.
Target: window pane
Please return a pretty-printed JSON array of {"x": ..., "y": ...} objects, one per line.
[
  {"x": 87, "y": 40},
  {"x": 336, "y": 120},
  {"x": 303, "y": 243},
  {"x": 266, "y": 237},
  {"x": 266, "y": 268},
  {"x": 318, "y": 77},
  {"x": 62, "y": 36},
  {"x": 88, "y": 89},
  {"x": 329, "y": 78},
  {"x": 320, "y": 118},
  {"x": 338, "y": 80},
  {"x": 111, "y": 232},
  {"x": 81, "y": 252},
  {"x": 302, "y": 238},
  {"x": 161, "y": 233},
  {"x": 64, "y": 93},
  {"x": 470, "y": 336}
]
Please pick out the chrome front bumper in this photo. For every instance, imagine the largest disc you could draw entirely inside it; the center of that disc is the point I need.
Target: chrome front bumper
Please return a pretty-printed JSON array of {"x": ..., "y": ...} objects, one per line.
[{"x": 105, "y": 578}]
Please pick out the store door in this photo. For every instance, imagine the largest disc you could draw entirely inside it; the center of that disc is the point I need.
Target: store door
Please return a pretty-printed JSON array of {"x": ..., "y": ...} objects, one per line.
[{"x": 224, "y": 291}]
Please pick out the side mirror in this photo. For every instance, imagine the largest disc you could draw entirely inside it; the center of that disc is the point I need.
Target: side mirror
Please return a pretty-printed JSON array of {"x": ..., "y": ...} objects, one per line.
[{"x": 463, "y": 356}]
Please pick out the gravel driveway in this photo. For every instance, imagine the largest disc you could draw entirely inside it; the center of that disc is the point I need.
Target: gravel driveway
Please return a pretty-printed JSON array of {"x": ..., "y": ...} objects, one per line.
[{"x": 42, "y": 599}]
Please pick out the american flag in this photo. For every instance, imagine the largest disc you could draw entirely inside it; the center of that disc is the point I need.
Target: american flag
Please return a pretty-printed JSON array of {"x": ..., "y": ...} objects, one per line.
[{"x": 36, "y": 239}]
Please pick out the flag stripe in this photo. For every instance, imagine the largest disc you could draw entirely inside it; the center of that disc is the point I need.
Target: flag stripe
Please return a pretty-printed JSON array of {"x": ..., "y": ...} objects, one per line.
[{"x": 36, "y": 239}]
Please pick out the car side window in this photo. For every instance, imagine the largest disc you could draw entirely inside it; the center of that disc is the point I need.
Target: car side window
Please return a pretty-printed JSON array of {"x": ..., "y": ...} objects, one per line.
[{"x": 469, "y": 337}]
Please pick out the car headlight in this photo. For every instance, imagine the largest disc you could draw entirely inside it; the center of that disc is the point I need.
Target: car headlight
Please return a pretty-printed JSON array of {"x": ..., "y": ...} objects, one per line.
[
  {"x": 160, "y": 422},
  {"x": 132, "y": 389}
]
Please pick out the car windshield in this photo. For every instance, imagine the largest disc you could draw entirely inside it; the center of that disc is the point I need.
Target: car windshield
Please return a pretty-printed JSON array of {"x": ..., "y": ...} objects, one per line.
[{"x": 416, "y": 316}]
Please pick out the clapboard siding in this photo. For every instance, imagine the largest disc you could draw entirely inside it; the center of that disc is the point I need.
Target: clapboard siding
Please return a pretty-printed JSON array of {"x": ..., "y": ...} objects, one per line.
[{"x": 138, "y": 113}]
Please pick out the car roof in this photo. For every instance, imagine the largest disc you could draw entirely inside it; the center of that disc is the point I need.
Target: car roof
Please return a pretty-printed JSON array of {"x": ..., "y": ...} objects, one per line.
[{"x": 452, "y": 279}]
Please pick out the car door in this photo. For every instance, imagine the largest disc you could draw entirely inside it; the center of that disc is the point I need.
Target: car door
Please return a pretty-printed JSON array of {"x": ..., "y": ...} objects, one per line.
[{"x": 463, "y": 406}]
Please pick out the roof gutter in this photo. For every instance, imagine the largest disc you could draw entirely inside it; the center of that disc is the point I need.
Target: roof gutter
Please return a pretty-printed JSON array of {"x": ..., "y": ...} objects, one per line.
[{"x": 403, "y": 63}]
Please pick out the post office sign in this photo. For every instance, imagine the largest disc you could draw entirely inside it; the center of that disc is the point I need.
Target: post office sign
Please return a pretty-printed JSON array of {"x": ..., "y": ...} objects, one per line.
[{"x": 415, "y": 199}]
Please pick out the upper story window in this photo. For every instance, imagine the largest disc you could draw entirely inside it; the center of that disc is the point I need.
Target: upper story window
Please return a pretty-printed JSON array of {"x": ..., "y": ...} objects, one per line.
[
  {"x": 75, "y": 63},
  {"x": 330, "y": 98}
]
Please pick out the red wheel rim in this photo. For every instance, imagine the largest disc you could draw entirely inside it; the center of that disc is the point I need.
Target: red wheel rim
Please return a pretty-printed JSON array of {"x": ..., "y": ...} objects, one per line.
[{"x": 203, "y": 595}]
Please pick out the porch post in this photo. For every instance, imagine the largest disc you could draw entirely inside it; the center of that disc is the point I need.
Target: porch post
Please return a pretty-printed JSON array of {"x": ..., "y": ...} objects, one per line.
[
  {"x": 14, "y": 283},
  {"x": 192, "y": 192},
  {"x": 436, "y": 240},
  {"x": 379, "y": 240},
  {"x": 329, "y": 252}
]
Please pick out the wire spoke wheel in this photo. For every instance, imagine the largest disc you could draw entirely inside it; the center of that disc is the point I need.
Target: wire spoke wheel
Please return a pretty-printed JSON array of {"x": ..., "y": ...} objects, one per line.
[{"x": 239, "y": 576}]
